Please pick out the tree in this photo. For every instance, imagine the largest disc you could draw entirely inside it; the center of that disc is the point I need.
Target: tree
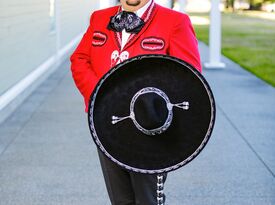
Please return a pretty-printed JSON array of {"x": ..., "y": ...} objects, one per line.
[
  {"x": 256, "y": 4},
  {"x": 229, "y": 4}
]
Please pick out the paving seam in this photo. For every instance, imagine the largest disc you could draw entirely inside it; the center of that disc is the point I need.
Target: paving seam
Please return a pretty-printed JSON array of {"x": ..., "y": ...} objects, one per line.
[
  {"x": 59, "y": 79},
  {"x": 246, "y": 141}
]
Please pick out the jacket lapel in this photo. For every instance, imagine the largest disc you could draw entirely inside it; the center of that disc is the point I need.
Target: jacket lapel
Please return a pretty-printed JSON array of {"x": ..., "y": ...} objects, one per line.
[{"x": 147, "y": 17}]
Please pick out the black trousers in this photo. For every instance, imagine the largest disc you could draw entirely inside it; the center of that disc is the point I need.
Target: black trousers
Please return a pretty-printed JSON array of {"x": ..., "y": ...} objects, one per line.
[{"x": 129, "y": 188}]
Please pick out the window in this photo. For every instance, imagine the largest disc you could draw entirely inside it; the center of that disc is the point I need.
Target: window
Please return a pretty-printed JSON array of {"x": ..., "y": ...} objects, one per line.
[{"x": 52, "y": 15}]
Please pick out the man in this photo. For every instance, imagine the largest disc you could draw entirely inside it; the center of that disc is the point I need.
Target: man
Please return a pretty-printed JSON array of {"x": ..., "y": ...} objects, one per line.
[{"x": 114, "y": 35}]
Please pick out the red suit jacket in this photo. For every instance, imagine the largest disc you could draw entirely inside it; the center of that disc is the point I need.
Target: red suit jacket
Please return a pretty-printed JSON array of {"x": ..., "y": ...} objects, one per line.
[{"x": 165, "y": 32}]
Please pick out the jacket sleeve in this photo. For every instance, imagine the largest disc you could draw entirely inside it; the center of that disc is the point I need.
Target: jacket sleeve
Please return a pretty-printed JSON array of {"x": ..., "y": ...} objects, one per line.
[
  {"x": 183, "y": 42},
  {"x": 83, "y": 73}
]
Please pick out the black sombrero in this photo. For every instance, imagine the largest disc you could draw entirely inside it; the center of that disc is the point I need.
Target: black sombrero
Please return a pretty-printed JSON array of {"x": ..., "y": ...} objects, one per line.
[{"x": 152, "y": 113}]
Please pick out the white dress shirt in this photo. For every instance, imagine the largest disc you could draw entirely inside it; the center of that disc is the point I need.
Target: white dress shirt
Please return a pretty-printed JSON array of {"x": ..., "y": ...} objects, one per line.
[{"x": 139, "y": 13}]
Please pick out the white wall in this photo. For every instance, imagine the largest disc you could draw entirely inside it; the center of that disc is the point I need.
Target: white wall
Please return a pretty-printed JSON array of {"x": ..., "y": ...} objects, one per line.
[
  {"x": 24, "y": 32},
  {"x": 74, "y": 17},
  {"x": 27, "y": 44},
  {"x": 25, "y": 38}
]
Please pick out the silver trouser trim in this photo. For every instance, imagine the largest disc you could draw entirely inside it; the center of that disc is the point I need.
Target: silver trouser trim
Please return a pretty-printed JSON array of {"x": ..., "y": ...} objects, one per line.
[{"x": 160, "y": 192}]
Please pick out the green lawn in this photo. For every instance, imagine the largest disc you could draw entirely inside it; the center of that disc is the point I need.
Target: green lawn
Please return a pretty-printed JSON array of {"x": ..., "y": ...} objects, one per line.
[{"x": 249, "y": 41}]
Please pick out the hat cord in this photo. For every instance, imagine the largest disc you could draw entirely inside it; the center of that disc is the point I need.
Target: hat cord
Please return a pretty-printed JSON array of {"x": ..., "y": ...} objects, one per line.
[{"x": 183, "y": 105}]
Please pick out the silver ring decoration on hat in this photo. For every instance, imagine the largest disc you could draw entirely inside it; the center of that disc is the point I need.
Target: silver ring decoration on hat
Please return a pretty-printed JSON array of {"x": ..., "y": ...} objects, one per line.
[{"x": 183, "y": 105}]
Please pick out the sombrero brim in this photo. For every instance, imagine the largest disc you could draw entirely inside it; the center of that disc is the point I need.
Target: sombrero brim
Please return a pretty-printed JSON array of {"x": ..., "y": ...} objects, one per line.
[{"x": 127, "y": 146}]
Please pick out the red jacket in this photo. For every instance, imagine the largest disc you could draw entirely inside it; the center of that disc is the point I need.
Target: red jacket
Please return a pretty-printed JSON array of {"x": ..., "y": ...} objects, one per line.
[{"x": 165, "y": 32}]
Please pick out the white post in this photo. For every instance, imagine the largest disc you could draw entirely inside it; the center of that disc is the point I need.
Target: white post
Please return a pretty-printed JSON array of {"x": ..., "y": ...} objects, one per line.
[{"x": 215, "y": 37}]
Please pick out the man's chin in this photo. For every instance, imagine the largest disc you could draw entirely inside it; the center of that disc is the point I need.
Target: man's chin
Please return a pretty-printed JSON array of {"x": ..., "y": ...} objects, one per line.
[{"x": 134, "y": 3}]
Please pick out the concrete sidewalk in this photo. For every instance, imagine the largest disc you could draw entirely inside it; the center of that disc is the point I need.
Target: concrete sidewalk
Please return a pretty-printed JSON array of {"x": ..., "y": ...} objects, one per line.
[{"x": 48, "y": 157}]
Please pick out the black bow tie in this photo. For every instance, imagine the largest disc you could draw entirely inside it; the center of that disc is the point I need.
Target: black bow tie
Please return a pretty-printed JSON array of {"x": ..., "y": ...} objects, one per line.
[{"x": 126, "y": 20}]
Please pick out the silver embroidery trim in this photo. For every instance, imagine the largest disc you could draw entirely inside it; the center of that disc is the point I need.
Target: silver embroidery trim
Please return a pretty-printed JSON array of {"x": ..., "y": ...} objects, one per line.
[
  {"x": 183, "y": 105},
  {"x": 152, "y": 40}
]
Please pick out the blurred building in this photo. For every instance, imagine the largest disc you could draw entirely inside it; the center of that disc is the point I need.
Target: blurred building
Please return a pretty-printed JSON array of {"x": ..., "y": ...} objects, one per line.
[
  {"x": 198, "y": 6},
  {"x": 35, "y": 36}
]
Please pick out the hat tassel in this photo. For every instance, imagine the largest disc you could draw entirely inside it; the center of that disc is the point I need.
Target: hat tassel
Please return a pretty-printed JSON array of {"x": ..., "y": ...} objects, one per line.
[
  {"x": 183, "y": 105},
  {"x": 116, "y": 119}
]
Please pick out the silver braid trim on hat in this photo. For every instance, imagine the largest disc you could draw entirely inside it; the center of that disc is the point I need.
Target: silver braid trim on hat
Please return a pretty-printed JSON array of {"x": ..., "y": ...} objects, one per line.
[
  {"x": 160, "y": 192},
  {"x": 183, "y": 105}
]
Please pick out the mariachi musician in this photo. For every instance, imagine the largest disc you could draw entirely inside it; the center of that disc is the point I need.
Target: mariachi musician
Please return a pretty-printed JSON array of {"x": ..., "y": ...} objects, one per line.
[{"x": 115, "y": 34}]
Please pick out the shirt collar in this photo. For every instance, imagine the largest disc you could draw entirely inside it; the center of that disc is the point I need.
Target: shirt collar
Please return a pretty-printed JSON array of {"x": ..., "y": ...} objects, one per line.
[{"x": 141, "y": 11}]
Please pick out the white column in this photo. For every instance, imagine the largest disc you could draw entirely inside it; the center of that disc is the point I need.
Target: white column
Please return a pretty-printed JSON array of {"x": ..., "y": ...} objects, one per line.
[{"x": 215, "y": 37}]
